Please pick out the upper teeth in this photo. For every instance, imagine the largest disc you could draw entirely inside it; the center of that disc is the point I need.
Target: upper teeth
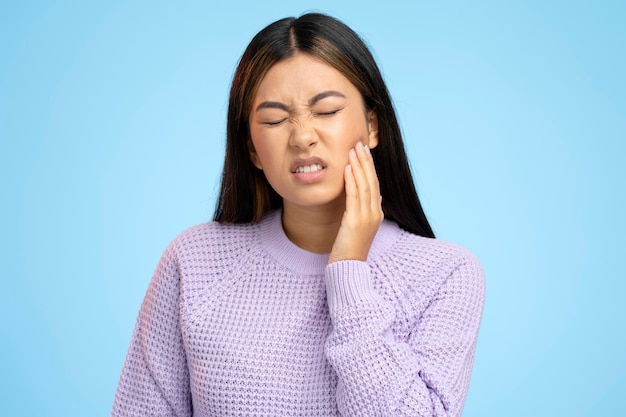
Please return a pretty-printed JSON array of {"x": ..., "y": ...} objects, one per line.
[{"x": 309, "y": 168}]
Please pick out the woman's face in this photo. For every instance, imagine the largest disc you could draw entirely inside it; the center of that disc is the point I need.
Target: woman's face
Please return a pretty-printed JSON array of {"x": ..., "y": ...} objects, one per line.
[{"x": 305, "y": 118}]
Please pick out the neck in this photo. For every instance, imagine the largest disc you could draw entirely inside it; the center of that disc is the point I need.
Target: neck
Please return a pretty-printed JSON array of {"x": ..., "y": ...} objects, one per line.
[{"x": 313, "y": 228}]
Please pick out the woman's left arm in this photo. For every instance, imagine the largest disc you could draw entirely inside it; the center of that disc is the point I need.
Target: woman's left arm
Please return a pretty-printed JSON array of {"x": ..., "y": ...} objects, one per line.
[{"x": 426, "y": 375}]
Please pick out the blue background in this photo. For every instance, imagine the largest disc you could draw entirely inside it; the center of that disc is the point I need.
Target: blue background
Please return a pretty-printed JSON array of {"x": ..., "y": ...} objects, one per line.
[{"x": 112, "y": 122}]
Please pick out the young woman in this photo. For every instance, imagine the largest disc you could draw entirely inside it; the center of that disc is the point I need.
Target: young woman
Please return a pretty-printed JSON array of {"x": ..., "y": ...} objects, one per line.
[{"x": 319, "y": 289}]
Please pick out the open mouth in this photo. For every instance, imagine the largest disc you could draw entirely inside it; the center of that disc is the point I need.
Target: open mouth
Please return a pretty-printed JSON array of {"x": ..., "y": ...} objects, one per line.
[
  {"x": 309, "y": 168},
  {"x": 307, "y": 165}
]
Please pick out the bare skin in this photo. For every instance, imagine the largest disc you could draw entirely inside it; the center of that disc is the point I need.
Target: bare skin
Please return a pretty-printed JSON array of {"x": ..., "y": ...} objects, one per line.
[
  {"x": 347, "y": 230},
  {"x": 305, "y": 109},
  {"x": 363, "y": 213}
]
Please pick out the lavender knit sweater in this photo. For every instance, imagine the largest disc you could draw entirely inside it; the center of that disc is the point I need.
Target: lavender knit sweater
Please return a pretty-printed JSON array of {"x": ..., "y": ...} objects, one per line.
[{"x": 238, "y": 321}]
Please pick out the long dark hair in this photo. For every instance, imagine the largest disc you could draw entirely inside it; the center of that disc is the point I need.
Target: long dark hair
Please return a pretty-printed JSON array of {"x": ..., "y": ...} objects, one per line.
[{"x": 245, "y": 194}]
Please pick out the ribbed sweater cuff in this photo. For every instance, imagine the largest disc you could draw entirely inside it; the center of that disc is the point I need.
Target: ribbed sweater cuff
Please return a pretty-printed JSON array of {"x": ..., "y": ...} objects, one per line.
[{"x": 348, "y": 283}]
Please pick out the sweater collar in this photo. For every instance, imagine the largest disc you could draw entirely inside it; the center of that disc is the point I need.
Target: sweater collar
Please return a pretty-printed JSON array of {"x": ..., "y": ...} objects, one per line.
[{"x": 275, "y": 242}]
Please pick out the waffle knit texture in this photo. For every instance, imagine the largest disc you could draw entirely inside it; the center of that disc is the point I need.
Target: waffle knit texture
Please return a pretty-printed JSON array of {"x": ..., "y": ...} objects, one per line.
[{"x": 239, "y": 321}]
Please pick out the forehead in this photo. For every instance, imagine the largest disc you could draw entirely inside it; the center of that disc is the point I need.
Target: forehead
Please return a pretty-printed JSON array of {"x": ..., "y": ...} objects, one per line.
[{"x": 301, "y": 77}]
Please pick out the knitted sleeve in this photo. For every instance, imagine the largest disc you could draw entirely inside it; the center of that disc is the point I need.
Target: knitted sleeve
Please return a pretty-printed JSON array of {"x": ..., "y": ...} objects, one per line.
[
  {"x": 379, "y": 375},
  {"x": 155, "y": 379}
]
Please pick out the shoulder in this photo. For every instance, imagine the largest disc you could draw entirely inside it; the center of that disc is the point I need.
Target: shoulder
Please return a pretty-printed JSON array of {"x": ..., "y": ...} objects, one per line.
[
  {"x": 405, "y": 249},
  {"x": 212, "y": 241},
  {"x": 414, "y": 273},
  {"x": 434, "y": 252},
  {"x": 419, "y": 262}
]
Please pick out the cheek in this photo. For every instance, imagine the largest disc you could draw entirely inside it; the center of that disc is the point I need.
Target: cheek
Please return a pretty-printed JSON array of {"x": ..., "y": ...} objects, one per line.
[
  {"x": 261, "y": 143},
  {"x": 264, "y": 155},
  {"x": 344, "y": 134}
]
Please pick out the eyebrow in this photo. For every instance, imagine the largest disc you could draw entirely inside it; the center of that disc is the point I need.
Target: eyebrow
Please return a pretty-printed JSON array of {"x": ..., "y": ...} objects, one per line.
[
  {"x": 312, "y": 101},
  {"x": 324, "y": 94},
  {"x": 272, "y": 105}
]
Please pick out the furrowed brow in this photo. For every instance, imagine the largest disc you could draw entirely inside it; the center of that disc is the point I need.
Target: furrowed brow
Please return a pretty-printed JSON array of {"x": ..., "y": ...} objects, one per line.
[
  {"x": 272, "y": 105},
  {"x": 324, "y": 94}
]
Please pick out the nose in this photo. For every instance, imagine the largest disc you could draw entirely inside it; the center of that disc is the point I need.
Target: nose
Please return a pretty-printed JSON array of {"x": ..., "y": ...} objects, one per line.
[{"x": 303, "y": 135}]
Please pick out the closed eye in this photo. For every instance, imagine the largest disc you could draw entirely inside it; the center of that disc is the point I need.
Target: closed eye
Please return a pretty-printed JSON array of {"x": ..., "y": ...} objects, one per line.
[
  {"x": 274, "y": 122},
  {"x": 327, "y": 113}
]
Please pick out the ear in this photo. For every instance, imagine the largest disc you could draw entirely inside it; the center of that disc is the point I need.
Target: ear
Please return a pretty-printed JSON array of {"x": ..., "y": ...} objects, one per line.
[
  {"x": 253, "y": 155},
  {"x": 372, "y": 127}
]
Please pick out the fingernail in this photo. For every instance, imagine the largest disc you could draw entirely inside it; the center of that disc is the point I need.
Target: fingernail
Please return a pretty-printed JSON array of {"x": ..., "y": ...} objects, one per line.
[
  {"x": 359, "y": 145},
  {"x": 367, "y": 149},
  {"x": 352, "y": 153}
]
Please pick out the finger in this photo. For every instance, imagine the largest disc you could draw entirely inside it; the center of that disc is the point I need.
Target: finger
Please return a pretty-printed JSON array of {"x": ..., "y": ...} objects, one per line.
[
  {"x": 370, "y": 170},
  {"x": 377, "y": 198},
  {"x": 360, "y": 177},
  {"x": 352, "y": 194},
  {"x": 367, "y": 164}
]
